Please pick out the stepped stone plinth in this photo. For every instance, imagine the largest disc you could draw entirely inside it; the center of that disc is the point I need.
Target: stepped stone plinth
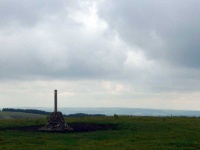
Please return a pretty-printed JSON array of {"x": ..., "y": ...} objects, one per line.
[{"x": 56, "y": 121}]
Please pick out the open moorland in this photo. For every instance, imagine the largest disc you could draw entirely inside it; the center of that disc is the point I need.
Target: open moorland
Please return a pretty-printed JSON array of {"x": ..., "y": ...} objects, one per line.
[{"x": 103, "y": 133}]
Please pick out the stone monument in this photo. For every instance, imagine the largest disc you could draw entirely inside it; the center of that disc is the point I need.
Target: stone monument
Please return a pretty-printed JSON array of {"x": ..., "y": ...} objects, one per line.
[{"x": 56, "y": 121}]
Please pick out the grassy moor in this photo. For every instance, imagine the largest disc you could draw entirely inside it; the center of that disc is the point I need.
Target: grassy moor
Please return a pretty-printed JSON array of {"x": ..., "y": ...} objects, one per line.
[{"x": 125, "y": 133}]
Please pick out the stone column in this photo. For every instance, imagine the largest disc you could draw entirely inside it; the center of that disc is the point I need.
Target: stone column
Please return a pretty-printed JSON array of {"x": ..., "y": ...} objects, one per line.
[
  {"x": 55, "y": 101},
  {"x": 56, "y": 121}
]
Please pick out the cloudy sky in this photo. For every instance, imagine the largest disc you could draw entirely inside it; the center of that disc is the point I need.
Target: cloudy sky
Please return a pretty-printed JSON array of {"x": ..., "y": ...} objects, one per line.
[{"x": 100, "y": 53}]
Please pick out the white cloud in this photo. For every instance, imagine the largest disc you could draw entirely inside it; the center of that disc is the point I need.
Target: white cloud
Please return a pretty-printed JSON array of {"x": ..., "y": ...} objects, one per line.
[
  {"x": 88, "y": 17},
  {"x": 114, "y": 88},
  {"x": 136, "y": 59}
]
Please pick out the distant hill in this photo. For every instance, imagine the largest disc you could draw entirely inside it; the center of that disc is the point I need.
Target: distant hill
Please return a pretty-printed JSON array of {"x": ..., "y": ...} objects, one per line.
[
  {"x": 18, "y": 115},
  {"x": 32, "y": 111},
  {"x": 41, "y": 112},
  {"x": 110, "y": 111}
]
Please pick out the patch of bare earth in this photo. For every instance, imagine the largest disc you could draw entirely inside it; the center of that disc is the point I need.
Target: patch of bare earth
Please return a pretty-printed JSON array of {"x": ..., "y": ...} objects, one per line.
[{"x": 77, "y": 127}]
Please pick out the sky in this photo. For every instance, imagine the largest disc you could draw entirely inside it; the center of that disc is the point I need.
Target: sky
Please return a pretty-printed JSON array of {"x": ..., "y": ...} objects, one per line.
[{"x": 100, "y": 53}]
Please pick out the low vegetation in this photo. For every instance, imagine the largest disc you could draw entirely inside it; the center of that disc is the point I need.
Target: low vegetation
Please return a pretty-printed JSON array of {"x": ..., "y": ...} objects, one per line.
[{"x": 130, "y": 133}]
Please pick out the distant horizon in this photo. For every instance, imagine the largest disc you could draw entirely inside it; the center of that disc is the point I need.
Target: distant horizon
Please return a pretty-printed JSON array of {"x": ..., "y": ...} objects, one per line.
[
  {"x": 121, "y": 111},
  {"x": 100, "y": 108}
]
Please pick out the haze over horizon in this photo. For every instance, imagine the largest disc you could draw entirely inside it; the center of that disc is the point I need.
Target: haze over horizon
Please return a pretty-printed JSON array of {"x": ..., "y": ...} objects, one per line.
[{"x": 100, "y": 53}]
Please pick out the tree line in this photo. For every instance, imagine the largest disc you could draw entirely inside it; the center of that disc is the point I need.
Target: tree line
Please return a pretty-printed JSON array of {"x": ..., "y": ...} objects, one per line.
[{"x": 77, "y": 115}]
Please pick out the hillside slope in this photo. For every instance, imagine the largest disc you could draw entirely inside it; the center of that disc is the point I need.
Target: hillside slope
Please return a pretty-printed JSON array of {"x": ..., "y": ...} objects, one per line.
[{"x": 19, "y": 115}]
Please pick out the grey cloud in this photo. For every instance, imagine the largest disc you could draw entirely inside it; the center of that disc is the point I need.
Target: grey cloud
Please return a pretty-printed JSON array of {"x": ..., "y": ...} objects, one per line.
[
  {"x": 47, "y": 43},
  {"x": 166, "y": 30},
  {"x": 131, "y": 53},
  {"x": 28, "y": 13},
  {"x": 55, "y": 46}
]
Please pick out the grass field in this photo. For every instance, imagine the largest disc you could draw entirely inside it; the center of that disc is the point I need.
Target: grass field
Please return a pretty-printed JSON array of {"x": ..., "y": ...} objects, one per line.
[{"x": 131, "y": 133}]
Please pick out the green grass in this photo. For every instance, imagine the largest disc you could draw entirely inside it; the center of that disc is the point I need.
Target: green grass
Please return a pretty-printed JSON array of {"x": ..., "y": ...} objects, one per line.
[{"x": 143, "y": 133}]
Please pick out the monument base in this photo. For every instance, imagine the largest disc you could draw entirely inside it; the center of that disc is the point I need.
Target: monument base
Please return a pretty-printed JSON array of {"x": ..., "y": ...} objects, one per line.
[{"x": 56, "y": 123}]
